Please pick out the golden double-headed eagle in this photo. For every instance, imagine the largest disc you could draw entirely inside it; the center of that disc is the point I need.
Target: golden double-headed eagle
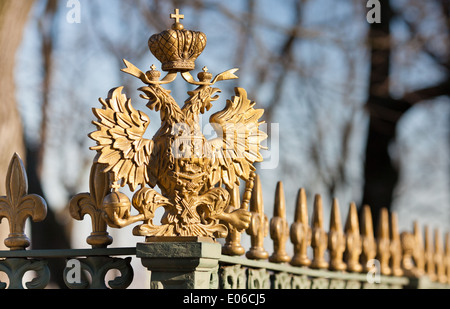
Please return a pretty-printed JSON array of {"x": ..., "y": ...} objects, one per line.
[{"x": 196, "y": 177}]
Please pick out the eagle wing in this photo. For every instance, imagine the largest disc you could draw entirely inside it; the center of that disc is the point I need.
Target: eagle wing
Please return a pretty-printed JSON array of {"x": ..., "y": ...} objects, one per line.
[
  {"x": 120, "y": 142},
  {"x": 239, "y": 140}
]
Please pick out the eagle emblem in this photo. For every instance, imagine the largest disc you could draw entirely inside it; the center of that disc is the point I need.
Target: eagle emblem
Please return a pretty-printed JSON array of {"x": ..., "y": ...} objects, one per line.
[{"x": 193, "y": 178}]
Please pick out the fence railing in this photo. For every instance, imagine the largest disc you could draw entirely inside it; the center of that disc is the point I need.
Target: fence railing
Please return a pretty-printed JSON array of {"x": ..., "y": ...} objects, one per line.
[{"x": 347, "y": 256}]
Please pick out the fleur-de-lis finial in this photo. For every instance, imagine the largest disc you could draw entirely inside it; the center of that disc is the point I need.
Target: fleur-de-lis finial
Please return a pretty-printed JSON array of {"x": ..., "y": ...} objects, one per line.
[
  {"x": 17, "y": 206},
  {"x": 92, "y": 204}
]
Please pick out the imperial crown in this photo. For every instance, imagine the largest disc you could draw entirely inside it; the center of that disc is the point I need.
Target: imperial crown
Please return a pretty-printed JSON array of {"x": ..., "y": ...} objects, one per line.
[{"x": 177, "y": 48}]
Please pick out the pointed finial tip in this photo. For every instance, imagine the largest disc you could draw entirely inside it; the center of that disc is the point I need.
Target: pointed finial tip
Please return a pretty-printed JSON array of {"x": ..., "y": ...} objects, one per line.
[
  {"x": 256, "y": 200},
  {"x": 335, "y": 202},
  {"x": 280, "y": 202},
  {"x": 335, "y": 218},
  {"x": 301, "y": 209},
  {"x": 352, "y": 223},
  {"x": 366, "y": 221},
  {"x": 383, "y": 223},
  {"x": 318, "y": 211}
]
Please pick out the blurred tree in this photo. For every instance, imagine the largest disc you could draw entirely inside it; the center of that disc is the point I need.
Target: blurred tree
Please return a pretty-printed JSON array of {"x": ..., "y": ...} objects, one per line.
[
  {"x": 13, "y": 18},
  {"x": 50, "y": 233},
  {"x": 386, "y": 107},
  {"x": 14, "y": 15}
]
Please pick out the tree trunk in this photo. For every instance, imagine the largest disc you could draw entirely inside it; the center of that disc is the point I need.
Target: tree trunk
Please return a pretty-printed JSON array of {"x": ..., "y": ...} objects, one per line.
[
  {"x": 13, "y": 19},
  {"x": 385, "y": 112},
  {"x": 379, "y": 172}
]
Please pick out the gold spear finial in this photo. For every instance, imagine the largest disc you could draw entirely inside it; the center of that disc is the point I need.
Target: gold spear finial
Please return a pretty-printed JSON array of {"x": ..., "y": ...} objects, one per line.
[
  {"x": 259, "y": 225},
  {"x": 353, "y": 240},
  {"x": 279, "y": 228},
  {"x": 409, "y": 244},
  {"x": 419, "y": 251},
  {"x": 447, "y": 256},
  {"x": 232, "y": 244},
  {"x": 369, "y": 248},
  {"x": 439, "y": 257},
  {"x": 396, "y": 247},
  {"x": 301, "y": 231},
  {"x": 383, "y": 243},
  {"x": 336, "y": 239},
  {"x": 429, "y": 255},
  {"x": 319, "y": 236}
]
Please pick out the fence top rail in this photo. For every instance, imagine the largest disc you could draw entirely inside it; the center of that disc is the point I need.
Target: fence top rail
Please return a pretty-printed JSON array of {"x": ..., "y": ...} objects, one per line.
[{"x": 65, "y": 253}]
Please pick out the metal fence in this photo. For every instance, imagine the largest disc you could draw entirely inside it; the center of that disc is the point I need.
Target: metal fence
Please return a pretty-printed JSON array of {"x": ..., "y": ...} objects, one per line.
[{"x": 348, "y": 256}]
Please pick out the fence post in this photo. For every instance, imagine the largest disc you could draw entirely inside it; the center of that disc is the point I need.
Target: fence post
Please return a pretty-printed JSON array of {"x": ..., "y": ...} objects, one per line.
[{"x": 180, "y": 262}]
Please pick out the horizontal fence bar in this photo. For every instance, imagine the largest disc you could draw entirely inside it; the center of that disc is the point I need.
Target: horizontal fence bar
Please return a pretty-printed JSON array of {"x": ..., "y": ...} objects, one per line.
[
  {"x": 64, "y": 253},
  {"x": 319, "y": 273}
]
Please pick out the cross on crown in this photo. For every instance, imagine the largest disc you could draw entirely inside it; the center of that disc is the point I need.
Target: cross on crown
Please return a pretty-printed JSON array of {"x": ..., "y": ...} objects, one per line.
[{"x": 177, "y": 16}]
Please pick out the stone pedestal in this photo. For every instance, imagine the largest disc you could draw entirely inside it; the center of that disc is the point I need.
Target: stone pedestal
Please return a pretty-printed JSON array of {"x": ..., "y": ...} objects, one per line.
[{"x": 180, "y": 262}]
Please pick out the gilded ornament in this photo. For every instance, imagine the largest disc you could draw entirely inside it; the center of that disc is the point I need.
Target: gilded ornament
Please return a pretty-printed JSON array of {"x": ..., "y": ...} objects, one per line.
[
  {"x": 336, "y": 239},
  {"x": 17, "y": 206},
  {"x": 408, "y": 243},
  {"x": 419, "y": 250},
  {"x": 430, "y": 267},
  {"x": 279, "y": 228},
  {"x": 383, "y": 242},
  {"x": 195, "y": 176},
  {"x": 447, "y": 256},
  {"x": 396, "y": 247},
  {"x": 259, "y": 224},
  {"x": 369, "y": 246},
  {"x": 92, "y": 204},
  {"x": 353, "y": 243},
  {"x": 439, "y": 258},
  {"x": 232, "y": 244},
  {"x": 319, "y": 239},
  {"x": 300, "y": 231}
]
